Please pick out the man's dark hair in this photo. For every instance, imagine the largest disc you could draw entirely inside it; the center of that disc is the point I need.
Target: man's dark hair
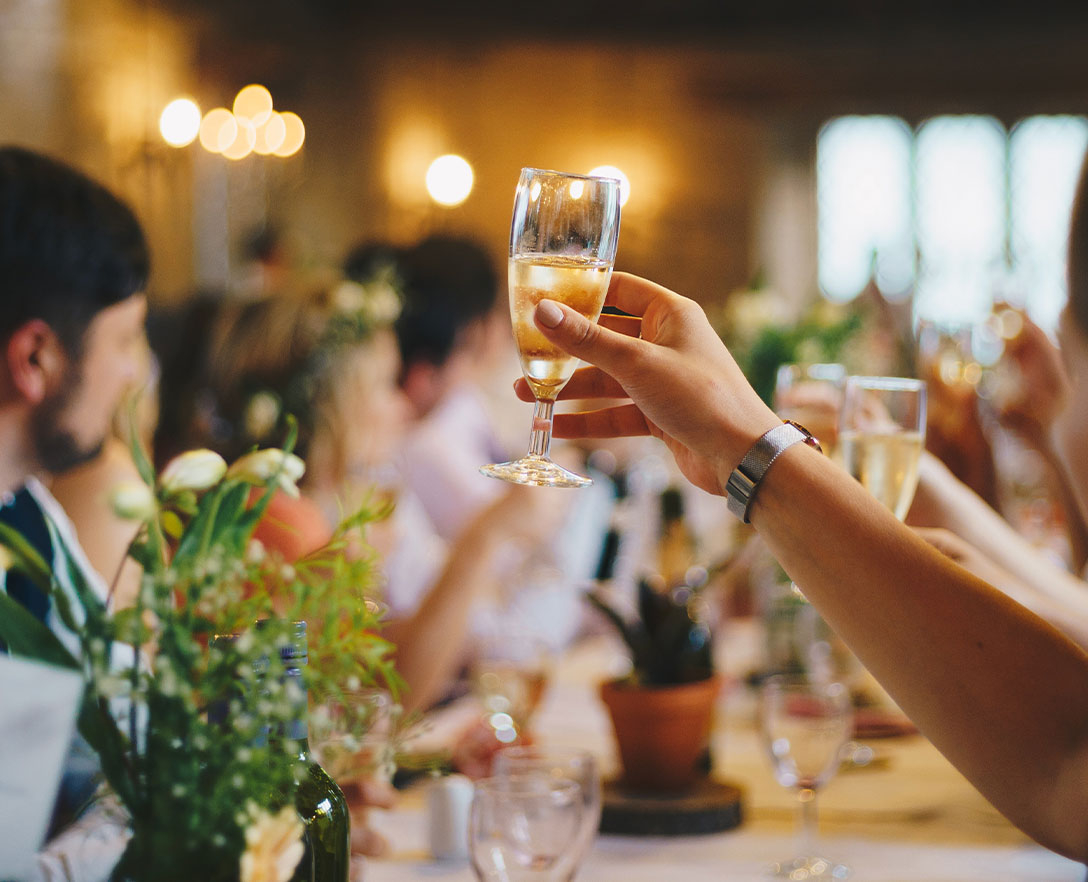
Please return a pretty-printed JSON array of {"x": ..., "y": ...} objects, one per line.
[
  {"x": 68, "y": 247},
  {"x": 448, "y": 283}
]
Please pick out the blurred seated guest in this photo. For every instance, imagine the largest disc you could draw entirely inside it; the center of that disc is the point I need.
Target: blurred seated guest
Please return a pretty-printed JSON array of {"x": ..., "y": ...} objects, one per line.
[
  {"x": 74, "y": 262},
  {"x": 328, "y": 357}
]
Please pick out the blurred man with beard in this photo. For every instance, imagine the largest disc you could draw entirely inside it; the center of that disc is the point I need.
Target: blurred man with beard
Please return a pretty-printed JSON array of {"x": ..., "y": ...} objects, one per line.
[{"x": 73, "y": 266}]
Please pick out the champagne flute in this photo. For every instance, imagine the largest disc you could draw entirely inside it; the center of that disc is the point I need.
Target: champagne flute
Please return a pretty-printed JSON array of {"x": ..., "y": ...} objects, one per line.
[
  {"x": 574, "y": 765},
  {"x": 522, "y": 828},
  {"x": 805, "y": 724},
  {"x": 562, "y": 247},
  {"x": 882, "y": 430}
]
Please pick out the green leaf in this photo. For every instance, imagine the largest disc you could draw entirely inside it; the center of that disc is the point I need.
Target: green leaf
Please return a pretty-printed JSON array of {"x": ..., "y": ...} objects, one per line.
[
  {"x": 139, "y": 456},
  {"x": 30, "y": 638},
  {"x": 27, "y": 557},
  {"x": 92, "y": 603}
]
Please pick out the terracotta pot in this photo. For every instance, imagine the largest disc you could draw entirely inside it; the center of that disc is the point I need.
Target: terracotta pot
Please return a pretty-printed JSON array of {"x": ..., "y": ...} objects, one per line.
[{"x": 661, "y": 731}]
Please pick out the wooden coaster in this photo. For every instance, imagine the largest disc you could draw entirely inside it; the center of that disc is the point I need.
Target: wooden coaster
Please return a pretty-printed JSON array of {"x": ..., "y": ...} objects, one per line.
[{"x": 709, "y": 807}]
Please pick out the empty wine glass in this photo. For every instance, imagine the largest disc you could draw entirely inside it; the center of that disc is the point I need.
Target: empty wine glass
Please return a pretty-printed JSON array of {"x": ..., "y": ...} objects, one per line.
[
  {"x": 353, "y": 734},
  {"x": 570, "y": 764},
  {"x": 509, "y": 674},
  {"x": 805, "y": 724},
  {"x": 882, "y": 430},
  {"x": 562, "y": 247},
  {"x": 522, "y": 828}
]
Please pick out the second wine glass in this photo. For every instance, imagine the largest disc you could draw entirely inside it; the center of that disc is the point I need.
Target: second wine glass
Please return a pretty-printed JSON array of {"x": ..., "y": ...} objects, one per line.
[
  {"x": 562, "y": 247},
  {"x": 882, "y": 430},
  {"x": 805, "y": 723}
]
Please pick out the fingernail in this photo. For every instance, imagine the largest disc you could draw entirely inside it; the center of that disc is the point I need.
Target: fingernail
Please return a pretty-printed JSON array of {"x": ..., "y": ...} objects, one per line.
[{"x": 548, "y": 313}]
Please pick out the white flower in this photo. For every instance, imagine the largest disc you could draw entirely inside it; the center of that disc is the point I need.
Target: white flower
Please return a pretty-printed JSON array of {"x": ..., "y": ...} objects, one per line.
[
  {"x": 260, "y": 466},
  {"x": 192, "y": 470},
  {"x": 273, "y": 846},
  {"x": 349, "y": 296},
  {"x": 262, "y": 413},
  {"x": 133, "y": 501}
]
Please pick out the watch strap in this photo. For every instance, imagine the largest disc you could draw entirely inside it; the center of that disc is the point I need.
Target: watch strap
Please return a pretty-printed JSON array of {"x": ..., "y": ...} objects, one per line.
[{"x": 744, "y": 481}]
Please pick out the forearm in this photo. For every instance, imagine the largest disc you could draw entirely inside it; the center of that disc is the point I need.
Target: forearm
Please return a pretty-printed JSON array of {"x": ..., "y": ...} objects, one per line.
[
  {"x": 959, "y": 657},
  {"x": 430, "y": 642},
  {"x": 961, "y": 511}
]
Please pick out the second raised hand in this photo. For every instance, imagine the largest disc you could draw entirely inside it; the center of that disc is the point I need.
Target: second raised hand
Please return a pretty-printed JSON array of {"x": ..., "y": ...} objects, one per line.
[{"x": 684, "y": 386}]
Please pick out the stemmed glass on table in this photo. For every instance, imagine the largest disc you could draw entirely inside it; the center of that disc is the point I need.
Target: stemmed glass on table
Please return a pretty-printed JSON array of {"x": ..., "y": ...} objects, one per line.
[
  {"x": 522, "y": 828},
  {"x": 562, "y": 247},
  {"x": 804, "y": 724},
  {"x": 579, "y": 766}
]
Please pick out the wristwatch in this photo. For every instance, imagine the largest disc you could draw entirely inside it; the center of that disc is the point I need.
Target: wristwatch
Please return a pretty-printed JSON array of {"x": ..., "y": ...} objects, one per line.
[{"x": 741, "y": 487}]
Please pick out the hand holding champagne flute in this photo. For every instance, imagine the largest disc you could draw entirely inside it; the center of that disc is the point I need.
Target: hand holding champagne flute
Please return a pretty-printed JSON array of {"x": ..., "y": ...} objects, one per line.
[{"x": 562, "y": 247}]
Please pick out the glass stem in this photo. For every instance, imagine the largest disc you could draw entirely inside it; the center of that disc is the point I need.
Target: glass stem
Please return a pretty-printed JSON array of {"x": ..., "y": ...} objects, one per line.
[
  {"x": 806, "y": 828},
  {"x": 540, "y": 439}
]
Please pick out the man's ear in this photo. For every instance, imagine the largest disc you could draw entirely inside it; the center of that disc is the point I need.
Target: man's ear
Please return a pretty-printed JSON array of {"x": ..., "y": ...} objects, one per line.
[{"x": 36, "y": 361}]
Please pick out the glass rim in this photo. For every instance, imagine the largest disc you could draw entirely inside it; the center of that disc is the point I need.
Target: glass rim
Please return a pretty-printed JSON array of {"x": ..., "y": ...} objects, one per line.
[
  {"x": 803, "y": 681},
  {"x": 888, "y": 384},
  {"x": 532, "y": 752},
  {"x": 570, "y": 175},
  {"x": 528, "y": 784}
]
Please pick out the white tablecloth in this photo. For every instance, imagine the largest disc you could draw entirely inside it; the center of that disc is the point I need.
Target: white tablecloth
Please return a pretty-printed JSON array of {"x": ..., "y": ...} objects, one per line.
[{"x": 910, "y": 816}]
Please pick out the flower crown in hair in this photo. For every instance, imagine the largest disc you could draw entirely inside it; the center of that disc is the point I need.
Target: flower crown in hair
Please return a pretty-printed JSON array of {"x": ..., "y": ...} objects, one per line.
[{"x": 358, "y": 309}]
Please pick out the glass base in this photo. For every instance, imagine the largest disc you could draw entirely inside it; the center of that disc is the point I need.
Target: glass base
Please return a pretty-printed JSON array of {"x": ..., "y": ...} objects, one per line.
[
  {"x": 537, "y": 471},
  {"x": 808, "y": 868}
]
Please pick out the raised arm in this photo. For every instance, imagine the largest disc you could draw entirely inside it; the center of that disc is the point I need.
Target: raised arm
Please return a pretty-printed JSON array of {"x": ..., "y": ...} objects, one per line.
[{"x": 1001, "y": 693}]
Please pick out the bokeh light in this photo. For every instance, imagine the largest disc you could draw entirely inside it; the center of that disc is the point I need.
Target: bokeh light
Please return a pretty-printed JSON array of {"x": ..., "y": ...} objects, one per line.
[
  {"x": 610, "y": 171},
  {"x": 270, "y": 135},
  {"x": 253, "y": 103},
  {"x": 244, "y": 141},
  {"x": 180, "y": 122},
  {"x": 449, "y": 180},
  {"x": 294, "y": 135},
  {"x": 218, "y": 130},
  {"x": 577, "y": 188}
]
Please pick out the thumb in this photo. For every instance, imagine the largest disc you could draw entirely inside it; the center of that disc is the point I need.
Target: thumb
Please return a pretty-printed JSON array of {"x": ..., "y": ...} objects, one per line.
[{"x": 577, "y": 335}]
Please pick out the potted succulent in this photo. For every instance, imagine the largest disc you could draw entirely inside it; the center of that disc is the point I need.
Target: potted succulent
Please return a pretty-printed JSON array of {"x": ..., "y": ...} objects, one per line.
[{"x": 662, "y": 711}]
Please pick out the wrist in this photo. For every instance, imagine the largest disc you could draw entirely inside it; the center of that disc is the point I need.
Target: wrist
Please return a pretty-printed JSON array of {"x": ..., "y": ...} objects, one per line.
[{"x": 743, "y": 481}]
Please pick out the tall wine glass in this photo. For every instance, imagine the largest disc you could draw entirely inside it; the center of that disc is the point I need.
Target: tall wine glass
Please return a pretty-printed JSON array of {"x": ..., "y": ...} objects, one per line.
[
  {"x": 882, "y": 430},
  {"x": 522, "y": 828},
  {"x": 562, "y": 247},
  {"x": 805, "y": 724},
  {"x": 574, "y": 765}
]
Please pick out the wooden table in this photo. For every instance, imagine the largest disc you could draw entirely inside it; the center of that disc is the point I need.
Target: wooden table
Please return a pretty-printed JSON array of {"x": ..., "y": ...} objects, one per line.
[{"x": 909, "y": 816}]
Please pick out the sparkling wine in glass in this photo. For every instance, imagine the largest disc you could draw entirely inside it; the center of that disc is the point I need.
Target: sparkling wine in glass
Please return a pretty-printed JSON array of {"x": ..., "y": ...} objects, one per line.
[
  {"x": 579, "y": 766},
  {"x": 562, "y": 247},
  {"x": 509, "y": 675},
  {"x": 882, "y": 430},
  {"x": 522, "y": 828},
  {"x": 805, "y": 724}
]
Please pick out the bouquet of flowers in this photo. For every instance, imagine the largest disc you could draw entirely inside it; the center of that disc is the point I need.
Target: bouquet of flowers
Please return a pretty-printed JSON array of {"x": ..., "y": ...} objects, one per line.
[{"x": 169, "y": 709}]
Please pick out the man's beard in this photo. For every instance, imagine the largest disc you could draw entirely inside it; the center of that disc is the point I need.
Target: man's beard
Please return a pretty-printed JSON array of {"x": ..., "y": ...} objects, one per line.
[{"x": 55, "y": 446}]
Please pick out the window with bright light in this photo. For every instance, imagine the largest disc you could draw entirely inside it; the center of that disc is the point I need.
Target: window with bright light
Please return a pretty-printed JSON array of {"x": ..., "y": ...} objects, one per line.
[{"x": 958, "y": 212}]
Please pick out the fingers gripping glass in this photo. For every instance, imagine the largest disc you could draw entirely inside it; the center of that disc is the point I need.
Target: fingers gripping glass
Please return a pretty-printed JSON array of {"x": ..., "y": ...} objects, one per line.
[{"x": 562, "y": 247}]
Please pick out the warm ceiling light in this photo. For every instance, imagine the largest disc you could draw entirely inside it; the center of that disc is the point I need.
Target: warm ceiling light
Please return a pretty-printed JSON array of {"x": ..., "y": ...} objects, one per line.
[
  {"x": 180, "y": 122},
  {"x": 244, "y": 141},
  {"x": 218, "y": 130},
  {"x": 449, "y": 180},
  {"x": 253, "y": 103},
  {"x": 294, "y": 135},
  {"x": 270, "y": 135},
  {"x": 610, "y": 171}
]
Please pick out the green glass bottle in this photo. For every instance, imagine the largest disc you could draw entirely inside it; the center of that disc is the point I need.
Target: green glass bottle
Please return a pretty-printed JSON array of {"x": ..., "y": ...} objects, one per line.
[{"x": 318, "y": 800}]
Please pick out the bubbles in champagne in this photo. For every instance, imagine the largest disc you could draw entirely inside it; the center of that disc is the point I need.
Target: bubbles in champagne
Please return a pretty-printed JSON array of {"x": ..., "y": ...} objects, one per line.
[{"x": 580, "y": 283}]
